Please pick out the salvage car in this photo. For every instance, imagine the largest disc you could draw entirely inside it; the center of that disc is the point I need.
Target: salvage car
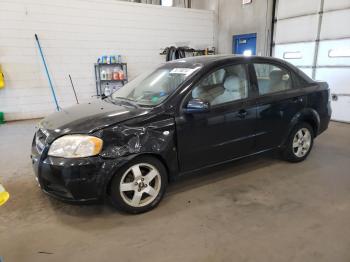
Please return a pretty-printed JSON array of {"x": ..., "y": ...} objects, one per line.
[{"x": 186, "y": 115}]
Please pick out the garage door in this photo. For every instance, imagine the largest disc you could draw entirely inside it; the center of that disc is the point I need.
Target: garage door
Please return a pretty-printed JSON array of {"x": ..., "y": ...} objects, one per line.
[{"x": 314, "y": 35}]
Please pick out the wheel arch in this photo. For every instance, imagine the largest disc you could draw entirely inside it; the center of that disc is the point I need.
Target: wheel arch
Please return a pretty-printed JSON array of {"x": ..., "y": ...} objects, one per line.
[
  {"x": 307, "y": 115},
  {"x": 170, "y": 173}
]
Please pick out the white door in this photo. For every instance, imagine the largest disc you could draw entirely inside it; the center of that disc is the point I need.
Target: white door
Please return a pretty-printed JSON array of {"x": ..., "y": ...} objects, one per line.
[{"x": 314, "y": 35}]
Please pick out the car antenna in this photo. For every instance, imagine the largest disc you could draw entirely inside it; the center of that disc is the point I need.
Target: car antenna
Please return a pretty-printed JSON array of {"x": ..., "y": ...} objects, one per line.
[{"x": 75, "y": 94}]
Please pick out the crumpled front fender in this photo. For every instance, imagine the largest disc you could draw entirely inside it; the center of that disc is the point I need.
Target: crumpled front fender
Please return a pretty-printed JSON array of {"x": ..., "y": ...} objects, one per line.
[{"x": 131, "y": 140}]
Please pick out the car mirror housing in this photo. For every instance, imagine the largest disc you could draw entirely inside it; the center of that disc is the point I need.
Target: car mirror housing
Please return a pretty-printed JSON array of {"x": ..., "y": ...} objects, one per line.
[{"x": 197, "y": 106}]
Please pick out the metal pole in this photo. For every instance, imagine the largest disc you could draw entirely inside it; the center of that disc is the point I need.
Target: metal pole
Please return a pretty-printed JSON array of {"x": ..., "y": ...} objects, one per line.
[
  {"x": 274, "y": 4},
  {"x": 317, "y": 42},
  {"x": 71, "y": 81},
  {"x": 47, "y": 73}
]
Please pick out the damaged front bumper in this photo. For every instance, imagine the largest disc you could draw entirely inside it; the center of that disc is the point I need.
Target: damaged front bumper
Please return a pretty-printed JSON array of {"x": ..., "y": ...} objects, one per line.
[
  {"x": 80, "y": 180},
  {"x": 71, "y": 181}
]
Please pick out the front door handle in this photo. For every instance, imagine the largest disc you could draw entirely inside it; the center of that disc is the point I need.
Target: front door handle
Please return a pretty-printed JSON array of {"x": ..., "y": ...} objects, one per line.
[
  {"x": 242, "y": 113},
  {"x": 297, "y": 99}
]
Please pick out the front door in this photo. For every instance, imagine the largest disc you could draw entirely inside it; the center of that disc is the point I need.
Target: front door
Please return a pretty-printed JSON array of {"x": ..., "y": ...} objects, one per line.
[{"x": 227, "y": 130}]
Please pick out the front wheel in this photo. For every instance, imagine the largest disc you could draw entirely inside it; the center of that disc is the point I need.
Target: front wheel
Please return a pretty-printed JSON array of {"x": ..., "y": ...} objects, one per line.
[
  {"x": 299, "y": 143},
  {"x": 139, "y": 186}
]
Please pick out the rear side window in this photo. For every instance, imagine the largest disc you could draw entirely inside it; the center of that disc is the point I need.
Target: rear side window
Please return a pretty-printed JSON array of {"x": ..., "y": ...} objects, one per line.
[{"x": 272, "y": 78}]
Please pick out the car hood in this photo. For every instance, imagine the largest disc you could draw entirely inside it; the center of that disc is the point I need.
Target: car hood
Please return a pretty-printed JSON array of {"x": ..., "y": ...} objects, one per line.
[{"x": 89, "y": 117}]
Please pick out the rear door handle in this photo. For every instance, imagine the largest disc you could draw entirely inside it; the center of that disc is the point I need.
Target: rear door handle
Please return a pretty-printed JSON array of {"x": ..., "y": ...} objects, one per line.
[{"x": 242, "y": 113}]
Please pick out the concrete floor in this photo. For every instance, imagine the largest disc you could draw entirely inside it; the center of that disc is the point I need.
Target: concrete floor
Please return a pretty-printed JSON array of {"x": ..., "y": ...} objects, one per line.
[{"x": 260, "y": 209}]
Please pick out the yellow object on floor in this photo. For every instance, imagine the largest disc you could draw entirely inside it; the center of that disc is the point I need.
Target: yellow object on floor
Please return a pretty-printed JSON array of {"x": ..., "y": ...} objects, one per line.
[
  {"x": 2, "y": 79},
  {"x": 4, "y": 196}
]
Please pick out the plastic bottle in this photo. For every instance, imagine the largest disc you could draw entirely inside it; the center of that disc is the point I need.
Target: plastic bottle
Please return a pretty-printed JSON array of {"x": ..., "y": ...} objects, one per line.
[
  {"x": 109, "y": 74},
  {"x": 112, "y": 59},
  {"x": 121, "y": 75},
  {"x": 107, "y": 90},
  {"x": 103, "y": 74},
  {"x": 116, "y": 74}
]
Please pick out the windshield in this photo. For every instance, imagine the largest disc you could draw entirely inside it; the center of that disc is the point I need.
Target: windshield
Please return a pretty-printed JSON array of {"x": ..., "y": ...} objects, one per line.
[{"x": 152, "y": 88}]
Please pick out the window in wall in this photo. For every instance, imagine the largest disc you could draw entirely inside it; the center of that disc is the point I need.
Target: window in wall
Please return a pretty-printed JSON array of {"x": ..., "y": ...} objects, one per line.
[
  {"x": 292, "y": 55},
  {"x": 272, "y": 78},
  {"x": 341, "y": 52},
  {"x": 167, "y": 2},
  {"x": 223, "y": 85}
]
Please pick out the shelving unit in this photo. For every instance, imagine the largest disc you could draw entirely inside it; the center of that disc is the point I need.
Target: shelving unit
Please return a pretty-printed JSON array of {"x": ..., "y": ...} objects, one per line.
[{"x": 102, "y": 83}]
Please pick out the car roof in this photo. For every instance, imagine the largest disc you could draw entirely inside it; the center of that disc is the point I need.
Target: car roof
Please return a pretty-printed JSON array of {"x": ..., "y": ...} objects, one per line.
[
  {"x": 213, "y": 59},
  {"x": 216, "y": 60}
]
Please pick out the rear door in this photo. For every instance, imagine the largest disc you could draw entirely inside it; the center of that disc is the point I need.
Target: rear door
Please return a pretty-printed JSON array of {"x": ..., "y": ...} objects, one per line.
[{"x": 278, "y": 99}]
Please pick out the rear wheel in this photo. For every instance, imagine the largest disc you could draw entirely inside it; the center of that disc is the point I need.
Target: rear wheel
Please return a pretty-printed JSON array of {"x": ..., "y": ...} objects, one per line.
[
  {"x": 139, "y": 186},
  {"x": 299, "y": 143}
]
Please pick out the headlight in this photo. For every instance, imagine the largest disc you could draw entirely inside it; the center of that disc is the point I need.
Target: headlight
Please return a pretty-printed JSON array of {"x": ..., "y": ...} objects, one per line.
[{"x": 73, "y": 146}]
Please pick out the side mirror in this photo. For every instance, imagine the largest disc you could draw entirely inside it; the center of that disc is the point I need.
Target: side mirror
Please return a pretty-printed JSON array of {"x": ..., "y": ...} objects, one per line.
[{"x": 197, "y": 106}]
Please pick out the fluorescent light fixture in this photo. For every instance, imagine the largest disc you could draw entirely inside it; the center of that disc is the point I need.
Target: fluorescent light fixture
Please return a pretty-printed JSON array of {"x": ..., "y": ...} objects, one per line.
[
  {"x": 340, "y": 52},
  {"x": 167, "y": 2},
  {"x": 292, "y": 55},
  {"x": 247, "y": 52},
  {"x": 246, "y": 2}
]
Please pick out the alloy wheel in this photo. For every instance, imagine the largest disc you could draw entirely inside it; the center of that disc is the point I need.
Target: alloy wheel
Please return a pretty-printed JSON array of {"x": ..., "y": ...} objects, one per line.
[
  {"x": 140, "y": 185},
  {"x": 302, "y": 142}
]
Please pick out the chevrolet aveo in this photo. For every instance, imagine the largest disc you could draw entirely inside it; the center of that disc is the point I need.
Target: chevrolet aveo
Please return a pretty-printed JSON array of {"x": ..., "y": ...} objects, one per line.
[{"x": 185, "y": 116}]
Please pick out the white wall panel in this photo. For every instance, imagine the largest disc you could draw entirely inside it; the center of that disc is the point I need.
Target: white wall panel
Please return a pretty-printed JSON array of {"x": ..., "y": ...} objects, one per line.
[
  {"x": 336, "y": 4},
  {"x": 337, "y": 78},
  {"x": 288, "y": 8},
  {"x": 299, "y": 54},
  {"x": 335, "y": 24},
  {"x": 334, "y": 52},
  {"x": 340, "y": 109},
  {"x": 299, "y": 29},
  {"x": 73, "y": 34},
  {"x": 307, "y": 71}
]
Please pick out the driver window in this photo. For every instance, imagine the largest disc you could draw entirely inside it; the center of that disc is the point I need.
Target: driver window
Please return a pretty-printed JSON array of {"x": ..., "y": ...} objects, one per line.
[{"x": 223, "y": 85}]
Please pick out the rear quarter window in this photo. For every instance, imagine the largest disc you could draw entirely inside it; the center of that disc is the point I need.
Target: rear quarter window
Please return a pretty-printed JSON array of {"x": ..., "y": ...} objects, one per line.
[{"x": 272, "y": 78}]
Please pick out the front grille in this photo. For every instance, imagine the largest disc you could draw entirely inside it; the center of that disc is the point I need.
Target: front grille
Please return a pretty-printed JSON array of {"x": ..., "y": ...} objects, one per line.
[{"x": 40, "y": 140}]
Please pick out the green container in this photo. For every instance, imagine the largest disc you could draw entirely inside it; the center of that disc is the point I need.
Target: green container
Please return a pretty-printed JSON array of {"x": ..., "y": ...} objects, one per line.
[{"x": 2, "y": 120}]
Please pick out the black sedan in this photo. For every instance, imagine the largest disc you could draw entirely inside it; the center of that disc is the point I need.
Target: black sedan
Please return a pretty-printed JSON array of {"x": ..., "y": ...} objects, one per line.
[{"x": 186, "y": 115}]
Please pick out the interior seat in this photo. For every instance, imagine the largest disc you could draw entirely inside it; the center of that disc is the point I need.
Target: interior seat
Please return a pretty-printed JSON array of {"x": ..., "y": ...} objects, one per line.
[
  {"x": 276, "y": 81},
  {"x": 211, "y": 87},
  {"x": 233, "y": 91}
]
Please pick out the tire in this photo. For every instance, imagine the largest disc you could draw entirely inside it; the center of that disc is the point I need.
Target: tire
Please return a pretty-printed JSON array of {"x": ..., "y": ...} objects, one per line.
[
  {"x": 139, "y": 186},
  {"x": 299, "y": 143}
]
